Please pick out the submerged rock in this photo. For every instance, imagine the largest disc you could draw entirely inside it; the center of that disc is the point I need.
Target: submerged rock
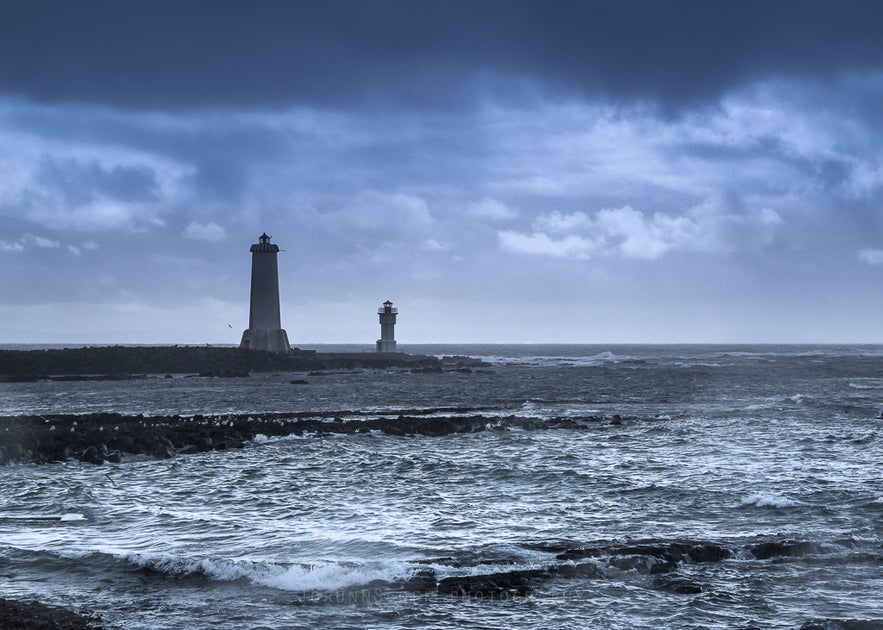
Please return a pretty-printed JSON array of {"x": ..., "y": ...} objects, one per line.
[
  {"x": 677, "y": 584},
  {"x": 784, "y": 548},
  {"x": 433, "y": 369},
  {"x": 423, "y": 581},
  {"x": 225, "y": 373},
  {"x": 91, "y": 456},
  {"x": 492, "y": 585}
]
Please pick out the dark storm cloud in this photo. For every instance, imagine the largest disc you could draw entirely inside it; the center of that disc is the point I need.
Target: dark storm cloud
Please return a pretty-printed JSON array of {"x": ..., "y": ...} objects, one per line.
[
  {"x": 447, "y": 153},
  {"x": 272, "y": 53}
]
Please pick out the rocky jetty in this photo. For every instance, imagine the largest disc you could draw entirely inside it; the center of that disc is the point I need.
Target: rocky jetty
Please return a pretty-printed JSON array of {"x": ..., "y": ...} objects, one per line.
[
  {"x": 118, "y": 362},
  {"x": 108, "y": 437}
]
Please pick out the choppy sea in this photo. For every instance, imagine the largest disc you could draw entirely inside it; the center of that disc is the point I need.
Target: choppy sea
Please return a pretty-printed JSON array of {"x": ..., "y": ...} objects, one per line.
[{"x": 769, "y": 455}]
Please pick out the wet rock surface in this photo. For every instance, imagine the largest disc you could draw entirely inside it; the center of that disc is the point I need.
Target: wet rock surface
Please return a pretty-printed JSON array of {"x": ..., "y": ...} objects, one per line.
[
  {"x": 493, "y": 585},
  {"x": 670, "y": 553},
  {"x": 30, "y": 615},
  {"x": 677, "y": 584},
  {"x": 781, "y": 549}
]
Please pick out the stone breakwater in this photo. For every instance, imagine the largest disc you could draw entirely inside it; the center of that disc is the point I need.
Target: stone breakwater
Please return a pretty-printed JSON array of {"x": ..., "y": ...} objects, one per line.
[
  {"x": 121, "y": 361},
  {"x": 109, "y": 437}
]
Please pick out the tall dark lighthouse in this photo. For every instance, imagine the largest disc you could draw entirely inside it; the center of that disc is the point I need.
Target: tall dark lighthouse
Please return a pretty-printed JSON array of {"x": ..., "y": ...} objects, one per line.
[
  {"x": 264, "y": 324},
  {"x": 387, "y": 341}
]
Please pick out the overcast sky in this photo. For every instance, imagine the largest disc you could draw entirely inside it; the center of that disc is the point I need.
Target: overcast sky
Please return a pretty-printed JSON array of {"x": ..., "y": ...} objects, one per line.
[{"x": 504, "y": 171}]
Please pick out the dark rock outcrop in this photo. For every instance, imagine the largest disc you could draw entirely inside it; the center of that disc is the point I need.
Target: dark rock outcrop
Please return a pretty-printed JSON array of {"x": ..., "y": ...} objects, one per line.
[
  {"x": 785, "y": 548},
  {"x": 422, "y": 581},
  {"x": 92, "y": 455},
  {"x": 677, "y": 584},
  {"x": 492, "y": 585},
  {"x": 669, "y": 553},
  {"x": 32, "y": 615}
]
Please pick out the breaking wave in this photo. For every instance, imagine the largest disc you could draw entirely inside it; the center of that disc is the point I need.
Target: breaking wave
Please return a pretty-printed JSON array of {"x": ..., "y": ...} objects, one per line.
[
  {"x": 764, "y": 499},
  {"x": 318, "y": 576},
  {"x": 334, "y": 576}
]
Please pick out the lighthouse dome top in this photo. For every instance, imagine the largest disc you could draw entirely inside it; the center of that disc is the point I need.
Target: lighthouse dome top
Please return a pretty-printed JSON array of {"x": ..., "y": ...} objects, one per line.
[
  {"x": 387, "y": 309},
  {"x": 264, "y": 245}
]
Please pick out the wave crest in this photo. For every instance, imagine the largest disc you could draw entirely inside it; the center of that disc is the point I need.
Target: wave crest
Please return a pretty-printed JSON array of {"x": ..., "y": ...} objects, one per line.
[
  {"x": 330, "y": 576},
  {"x": 765, "y": 499}
]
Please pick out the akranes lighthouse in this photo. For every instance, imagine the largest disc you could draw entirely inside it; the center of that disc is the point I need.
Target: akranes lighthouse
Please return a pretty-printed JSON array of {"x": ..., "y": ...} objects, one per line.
[
  {"x": 264, "y": 323},
  {"x": 387, "y": 341}
]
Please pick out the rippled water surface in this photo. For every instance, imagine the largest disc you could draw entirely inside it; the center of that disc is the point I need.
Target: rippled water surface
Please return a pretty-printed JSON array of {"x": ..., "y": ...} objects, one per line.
[{"x": 771, "y": 456}]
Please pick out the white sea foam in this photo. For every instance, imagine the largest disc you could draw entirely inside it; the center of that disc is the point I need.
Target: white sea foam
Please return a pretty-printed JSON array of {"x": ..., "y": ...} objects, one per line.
[
  {"x": 260, "y": 438},
  {"x": 764, "y": 499},
  {"x": 531, "y": 405},
  {"x": 71, "y": 516},
  {"x": 691, "y": 364},
  {"x": 331, "y": 577},
  {"x": 768, "y": 403},
  {"x": 877, "y": 384}
]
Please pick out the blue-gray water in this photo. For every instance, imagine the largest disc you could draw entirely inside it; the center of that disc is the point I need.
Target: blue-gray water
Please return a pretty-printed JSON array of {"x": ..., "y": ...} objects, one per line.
[{"x": 728, "y": 446}]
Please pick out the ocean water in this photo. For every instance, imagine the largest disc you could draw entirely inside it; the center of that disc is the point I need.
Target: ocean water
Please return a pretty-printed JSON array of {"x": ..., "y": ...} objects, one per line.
[{"x": 769, "y": 456}]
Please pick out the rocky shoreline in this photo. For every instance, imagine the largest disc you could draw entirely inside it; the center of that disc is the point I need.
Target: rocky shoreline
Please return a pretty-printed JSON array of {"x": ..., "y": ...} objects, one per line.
[
  {"x": 120, "y": 362},
  {"x": 110, "y": 437}
]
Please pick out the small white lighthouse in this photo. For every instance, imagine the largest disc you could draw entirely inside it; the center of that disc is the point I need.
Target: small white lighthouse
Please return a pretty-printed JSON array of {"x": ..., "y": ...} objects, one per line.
[
  {"x": 387, "y": 341},
  {"x": 264, "y": 324}
]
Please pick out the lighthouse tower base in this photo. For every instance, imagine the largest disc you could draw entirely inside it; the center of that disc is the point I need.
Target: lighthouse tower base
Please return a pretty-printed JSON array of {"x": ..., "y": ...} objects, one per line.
[
  {"x": 385, "y": 345},
  {"x": 272, "y": 340}
]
